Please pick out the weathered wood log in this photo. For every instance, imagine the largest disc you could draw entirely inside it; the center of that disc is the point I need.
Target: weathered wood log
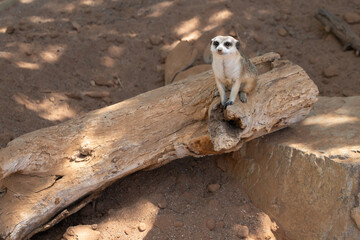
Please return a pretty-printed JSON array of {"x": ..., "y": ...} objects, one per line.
[
  {"x": 45, "y": 173},
  {"x": 341, "y": 29}
]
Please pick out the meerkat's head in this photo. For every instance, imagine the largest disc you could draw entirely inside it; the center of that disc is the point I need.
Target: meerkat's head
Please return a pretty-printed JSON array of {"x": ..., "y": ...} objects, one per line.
[{"x": 224, "y": 46}]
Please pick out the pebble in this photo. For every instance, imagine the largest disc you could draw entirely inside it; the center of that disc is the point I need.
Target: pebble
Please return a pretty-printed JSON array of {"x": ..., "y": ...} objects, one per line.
[
  {"x": 314, "y": 60},
  {"x": 97, "y": 94},
  {"x": 156, "y": 40},
  {"x": 120, "y": 40},
  {"x": 241, "y": 231},
  {"x": 54, "y": 34},
  {"x": 258, "y": 38},
  {"x": 213, "y": 187},
  {"x": 100, "y": 81},
  {"x": 148, "y": 44},
  {"x": 278, "y": 17},
  {"x": 52, "y": 99},
  {"x": 142, "y": 227},
  {"x": 74, "y": 95},
  {"x": 10, "y": 29},
  {"x": 331, "y": 71},
  {"x": 178, "y": 224},
  {"x": 282, "y": 32},
  {"x": 92, "y": 83},
  {"x": 352, "y": 17},
  {"x": 107, "y": 100},
  {"x": 210, "y": 224},
  {"x": 75, "y": 25},
  {"x": 162, "y": 204}
]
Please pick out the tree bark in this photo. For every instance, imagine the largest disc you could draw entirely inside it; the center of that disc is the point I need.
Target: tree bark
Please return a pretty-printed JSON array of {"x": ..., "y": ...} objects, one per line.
[{"x": 45, "y": 173}]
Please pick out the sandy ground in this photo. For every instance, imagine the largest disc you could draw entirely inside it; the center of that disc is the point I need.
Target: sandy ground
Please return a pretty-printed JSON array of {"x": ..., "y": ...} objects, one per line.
[{"x": 60, "y": 59}]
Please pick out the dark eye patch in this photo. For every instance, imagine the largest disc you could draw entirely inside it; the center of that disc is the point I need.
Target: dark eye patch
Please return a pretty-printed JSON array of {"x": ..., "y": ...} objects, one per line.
[
  {"x": 216, "y": 43},
  {"x": 227, "y": 44}
]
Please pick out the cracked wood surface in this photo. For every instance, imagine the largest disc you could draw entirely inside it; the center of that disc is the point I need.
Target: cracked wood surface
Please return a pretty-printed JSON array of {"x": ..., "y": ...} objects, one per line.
[{"x": 44, "y": 172}]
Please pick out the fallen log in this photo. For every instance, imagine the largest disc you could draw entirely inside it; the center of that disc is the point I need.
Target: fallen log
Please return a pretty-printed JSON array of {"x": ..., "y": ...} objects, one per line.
[
  {"x": 47, "y": 174},
  {"x": 340, "y": 28}
]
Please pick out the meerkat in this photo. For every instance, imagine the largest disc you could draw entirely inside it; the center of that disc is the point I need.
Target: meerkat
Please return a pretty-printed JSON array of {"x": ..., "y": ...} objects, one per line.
[{"x": 231, "y": 68}]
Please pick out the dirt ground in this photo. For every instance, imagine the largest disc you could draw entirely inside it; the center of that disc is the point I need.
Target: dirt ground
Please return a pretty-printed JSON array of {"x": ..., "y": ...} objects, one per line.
[{"x": 60, "y": 59}]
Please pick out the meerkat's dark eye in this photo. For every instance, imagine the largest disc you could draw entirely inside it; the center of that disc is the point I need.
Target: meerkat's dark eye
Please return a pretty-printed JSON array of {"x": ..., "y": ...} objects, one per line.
[
  {"x": 227, "y": 44},
  {"x": 216, "y": 43}
]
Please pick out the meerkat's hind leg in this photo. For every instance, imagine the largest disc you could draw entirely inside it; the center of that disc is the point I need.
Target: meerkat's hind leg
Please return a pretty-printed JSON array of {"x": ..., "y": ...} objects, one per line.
[
  {"x": 243, "y": 97},
  {"x": 250, "y": 84}
]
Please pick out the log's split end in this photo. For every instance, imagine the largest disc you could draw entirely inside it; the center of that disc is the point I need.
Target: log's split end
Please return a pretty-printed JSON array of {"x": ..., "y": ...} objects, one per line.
[{"x": 285, "y": 94}]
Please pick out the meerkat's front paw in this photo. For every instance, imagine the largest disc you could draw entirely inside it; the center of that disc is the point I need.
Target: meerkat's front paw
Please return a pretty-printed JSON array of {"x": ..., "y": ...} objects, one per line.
[
  {"x": 243, "y": 97},
  {"x": 228, "y": 103}
]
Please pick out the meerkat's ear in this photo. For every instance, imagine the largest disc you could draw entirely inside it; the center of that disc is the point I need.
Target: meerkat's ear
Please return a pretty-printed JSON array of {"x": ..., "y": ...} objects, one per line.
[
  {"x": 211, "y": 41},
  {"x": 237, "y": 45}
]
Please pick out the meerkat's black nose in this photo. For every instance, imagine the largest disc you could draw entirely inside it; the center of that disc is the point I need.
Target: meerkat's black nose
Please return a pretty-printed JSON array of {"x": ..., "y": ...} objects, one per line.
[{"x": 219, "y": 50}]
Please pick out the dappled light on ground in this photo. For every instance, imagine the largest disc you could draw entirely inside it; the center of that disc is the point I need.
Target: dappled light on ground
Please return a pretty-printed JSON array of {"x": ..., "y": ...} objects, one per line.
[{"x": 47, "y": 108}]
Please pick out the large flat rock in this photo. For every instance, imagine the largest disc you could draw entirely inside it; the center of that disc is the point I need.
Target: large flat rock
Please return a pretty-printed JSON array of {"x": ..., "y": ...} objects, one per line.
[{"x": 307, "y": 176}]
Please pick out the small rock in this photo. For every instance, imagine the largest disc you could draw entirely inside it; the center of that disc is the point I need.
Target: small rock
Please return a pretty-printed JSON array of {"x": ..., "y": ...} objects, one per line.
[
  {"x": 325, "y": 81},
  {"x": 282, "y": 32},
  {"x": 228, "y": 4},
  {"x": 54, "y": 34},
  {"x": 258, "y": 38},
  {"x": 100, "y": 81},
  {"x": 156, "y": 40},
  {"x": 52, "y": 99},
  {"x": 107, "y": 100},
  {"x": 74, "y": 95},
  {"x": 92, "y": 83},
  {"x": 142, "y": 227},
  {"x": 148, "y": 44},
  {"x": 28, "y": 52},
  {"x": 81, "y": 232},
  {"x": 314, "y": 60},
  {"x": 178, "y": 224},
  {"x": 119, "y": 40},
  {"x": 162, "y": 204},
  {"x": 10, "y": 29},
  {"x": 278, "y": 17},
  {"x": 352, "y": 17},
  {"x": 241, "y": 231},
  {"x": 213, "y": 187},
  {"x": 97, "y": 94},
  {"x": 331, "y": 71},
  {"x": 75, "y": 25},
  {"x": 210, "y": 224}
]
